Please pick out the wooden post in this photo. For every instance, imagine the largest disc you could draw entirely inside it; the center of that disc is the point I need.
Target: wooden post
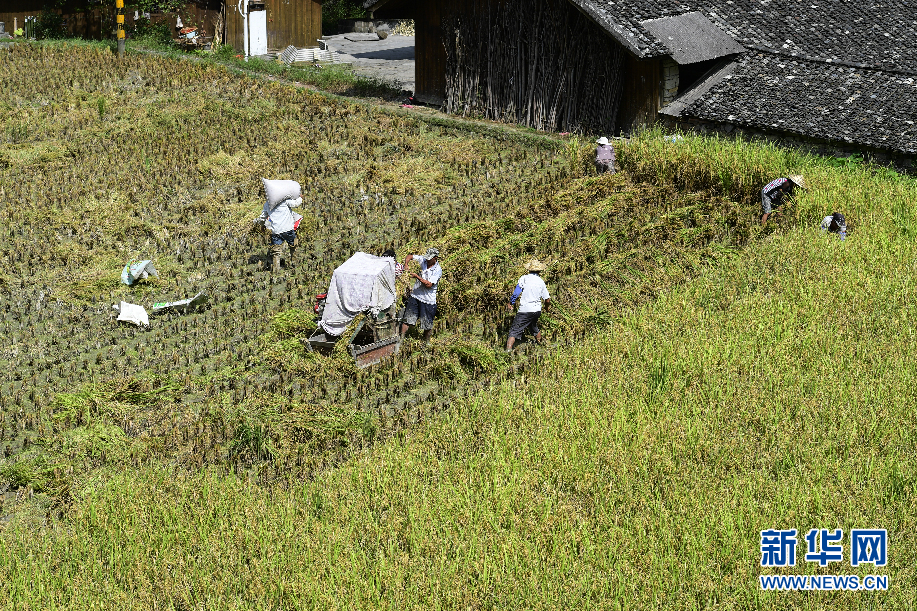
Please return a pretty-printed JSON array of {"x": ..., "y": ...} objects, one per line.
[{"x": 119, "y": 5}]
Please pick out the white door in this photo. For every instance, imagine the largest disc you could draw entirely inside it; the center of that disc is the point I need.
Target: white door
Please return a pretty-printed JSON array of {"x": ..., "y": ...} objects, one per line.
[{"x": 257, "y": 30}]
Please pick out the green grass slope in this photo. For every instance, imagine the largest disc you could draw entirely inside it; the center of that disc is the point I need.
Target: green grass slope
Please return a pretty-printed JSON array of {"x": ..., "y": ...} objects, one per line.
[{"x": 634, "y": 470}]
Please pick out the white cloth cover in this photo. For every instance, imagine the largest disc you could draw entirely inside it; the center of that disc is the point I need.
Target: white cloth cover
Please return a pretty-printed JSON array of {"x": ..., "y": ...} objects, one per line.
[
  {"x": 363, "y": 282},
  {"x": 136, "y": 314}
]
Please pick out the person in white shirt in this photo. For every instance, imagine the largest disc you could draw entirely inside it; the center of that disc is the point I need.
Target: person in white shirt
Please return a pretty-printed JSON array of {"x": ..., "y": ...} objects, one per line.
[
  {"x": 529, "y": 292},
  {"x": 421, "y": 303},
  {"x": 279, "y": 218}
]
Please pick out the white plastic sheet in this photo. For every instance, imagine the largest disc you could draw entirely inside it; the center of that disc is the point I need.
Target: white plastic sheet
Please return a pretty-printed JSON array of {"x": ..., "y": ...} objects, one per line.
[
  {"x": 140, "y": 270},
  {"x": 182, "y": 304},
  {"x": 128, "y": 312},
  {"x": 363, "y": 282}
]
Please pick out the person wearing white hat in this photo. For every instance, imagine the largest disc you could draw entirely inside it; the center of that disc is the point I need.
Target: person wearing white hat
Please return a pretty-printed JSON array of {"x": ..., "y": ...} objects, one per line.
[
  {"x": 604, "y": 156},
  {"x": 421, "y": 304},
  {"x": 775, "y": 193},
  {"x": 529, "y": 292}
]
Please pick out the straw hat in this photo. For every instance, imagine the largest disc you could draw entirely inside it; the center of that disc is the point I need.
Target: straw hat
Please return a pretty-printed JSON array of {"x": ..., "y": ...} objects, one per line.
[
  {"x": 534, "y": 266},
  {"x": 602, "y": 140},
  {"x": 798, "y": 179}
]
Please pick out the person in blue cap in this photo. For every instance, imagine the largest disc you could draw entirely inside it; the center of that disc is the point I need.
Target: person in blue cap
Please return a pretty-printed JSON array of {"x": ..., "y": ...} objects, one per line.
[{"x": 835, "y": 223}]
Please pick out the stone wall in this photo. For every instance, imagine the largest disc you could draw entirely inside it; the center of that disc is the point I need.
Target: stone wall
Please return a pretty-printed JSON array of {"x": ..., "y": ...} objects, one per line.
[
  {"x": 368, "y": 26},
  {"x": 899, "y": 161},
  {"x": 669, "y": 81}
]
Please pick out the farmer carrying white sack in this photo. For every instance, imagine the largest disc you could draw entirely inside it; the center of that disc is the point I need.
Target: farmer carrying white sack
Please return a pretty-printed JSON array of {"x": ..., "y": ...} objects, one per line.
[{"x": 278, "y": 217}]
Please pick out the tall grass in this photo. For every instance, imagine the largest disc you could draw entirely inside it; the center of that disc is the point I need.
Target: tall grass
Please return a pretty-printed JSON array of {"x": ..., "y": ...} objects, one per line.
[
  {"x": 738, "y": 168},
  {"x": 634, "y": 470}
]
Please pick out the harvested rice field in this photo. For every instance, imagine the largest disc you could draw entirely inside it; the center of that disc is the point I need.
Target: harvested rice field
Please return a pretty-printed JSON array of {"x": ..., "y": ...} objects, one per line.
[
  {"x": 109, "y": 162},
  {"x": 210, "y": 460}
]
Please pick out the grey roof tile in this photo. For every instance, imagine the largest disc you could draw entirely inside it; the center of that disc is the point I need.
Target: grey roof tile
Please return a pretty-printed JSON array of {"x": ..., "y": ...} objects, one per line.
[
  {"x": 860, "y": 106},
  {"x": 866, "y": 33}
]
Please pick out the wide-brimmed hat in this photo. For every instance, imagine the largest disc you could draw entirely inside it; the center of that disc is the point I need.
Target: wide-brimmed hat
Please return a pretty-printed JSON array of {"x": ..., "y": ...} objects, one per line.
[
  {"x": 602, "y": 140},
  {"x": 534, "y": 266},
  {"x": 432, "y": 253},
  {"x": 798, "y": 179}
]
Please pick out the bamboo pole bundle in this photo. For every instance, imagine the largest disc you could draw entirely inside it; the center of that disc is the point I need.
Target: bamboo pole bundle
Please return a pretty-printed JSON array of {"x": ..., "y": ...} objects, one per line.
[{"x": 540, "y": 63}]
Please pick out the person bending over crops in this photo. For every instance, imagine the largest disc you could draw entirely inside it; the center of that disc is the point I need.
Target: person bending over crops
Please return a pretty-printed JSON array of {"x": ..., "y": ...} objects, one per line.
[
  {"x": 421, "y": 304},
  {"x": 529, "y": 292},
  {"x": 776, "y": 192},
  {"x": 835, "y": 223},
  {"x": 278, "y": 217},
  {"x": 604, "y": 156}
]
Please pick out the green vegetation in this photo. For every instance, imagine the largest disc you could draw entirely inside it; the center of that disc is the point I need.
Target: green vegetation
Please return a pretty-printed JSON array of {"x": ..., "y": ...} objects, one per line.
[
  {"x": 333, "y": 11},
  {"x": 708, "y": 378}
]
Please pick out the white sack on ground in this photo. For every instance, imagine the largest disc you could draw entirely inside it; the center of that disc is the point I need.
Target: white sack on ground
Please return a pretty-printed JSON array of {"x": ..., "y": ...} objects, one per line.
[
  {"x": 362, "y": 282},
  {"x": 140, "y": 270},
  {"x": 133, "y": 313}
]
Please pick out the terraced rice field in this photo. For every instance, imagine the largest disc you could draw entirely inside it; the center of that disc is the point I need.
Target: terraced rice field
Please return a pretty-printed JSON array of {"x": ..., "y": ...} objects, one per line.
[{"x": 107, "y": 161}]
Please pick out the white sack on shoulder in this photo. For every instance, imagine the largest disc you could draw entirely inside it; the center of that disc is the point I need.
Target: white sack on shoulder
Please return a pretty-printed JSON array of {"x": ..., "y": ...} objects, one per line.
[{"x": 279, "y": 191}]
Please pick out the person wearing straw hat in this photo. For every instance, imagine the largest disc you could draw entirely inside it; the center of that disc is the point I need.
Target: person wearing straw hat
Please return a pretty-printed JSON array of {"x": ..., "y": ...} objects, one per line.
[
  {"x": 421, "y": 303},
  {"x": 529, "y": 292},
  {"x": 604, "y": 156},
  {"x": 775, "y": 193}
]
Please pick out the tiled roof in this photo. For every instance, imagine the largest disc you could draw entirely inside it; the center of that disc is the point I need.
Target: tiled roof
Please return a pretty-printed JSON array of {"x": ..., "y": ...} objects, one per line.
[
  {"x": 691, "y": 37},
  {"x": 840, "y": 103},
  {"x": 866, "y": 33}
]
